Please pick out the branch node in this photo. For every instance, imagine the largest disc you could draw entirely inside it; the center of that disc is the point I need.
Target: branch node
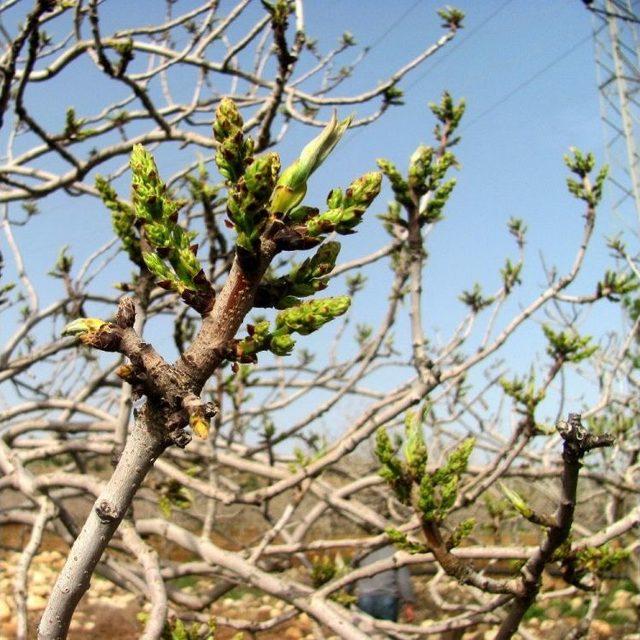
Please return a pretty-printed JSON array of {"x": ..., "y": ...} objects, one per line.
[{"x": 106, "y": 512}]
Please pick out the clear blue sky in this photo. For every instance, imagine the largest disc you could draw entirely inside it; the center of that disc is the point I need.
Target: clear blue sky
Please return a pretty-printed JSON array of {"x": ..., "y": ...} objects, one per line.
[{"x": 520, "y": 121}]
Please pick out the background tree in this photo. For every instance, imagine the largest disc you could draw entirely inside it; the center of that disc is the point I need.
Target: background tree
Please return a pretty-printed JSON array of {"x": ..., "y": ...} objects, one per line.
[{"x": 248, "y": 381}]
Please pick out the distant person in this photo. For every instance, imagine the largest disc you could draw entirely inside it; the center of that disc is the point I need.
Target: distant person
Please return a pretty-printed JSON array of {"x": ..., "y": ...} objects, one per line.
[{"x": 382, "y": 595}]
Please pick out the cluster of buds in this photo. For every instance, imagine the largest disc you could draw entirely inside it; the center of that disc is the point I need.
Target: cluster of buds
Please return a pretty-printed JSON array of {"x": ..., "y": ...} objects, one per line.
[
  {"x": 304, "y": 280},
  {"x": 173, "y": 259},
  {"x": 524, "y": 392},
  {"x": 258, "y": 199},
  {"x": 248, "y": 198},
  {"x": 235, "y": 152},
  {"x": 431, "y": 493},
  {"x": 250, "y": 181},
  {"x": 425, "y": 185},
  {"x": 345, "y": 208},
  {"x": 568, "y": 346},
  {"x": 122, "y": 219},
  {"x": 582, "y": 165},
  {"x": 304, "y": 318}
]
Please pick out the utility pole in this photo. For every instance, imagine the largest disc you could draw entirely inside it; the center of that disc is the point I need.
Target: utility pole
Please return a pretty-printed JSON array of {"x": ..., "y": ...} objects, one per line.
[{"x": 616, "y": 35}]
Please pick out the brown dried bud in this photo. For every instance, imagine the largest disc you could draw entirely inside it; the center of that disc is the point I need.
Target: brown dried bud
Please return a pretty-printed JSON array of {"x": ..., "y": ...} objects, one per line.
[
  {"x": 177, "y": 420},
  {"x": 210, "y": 409},
  {"x": 289, "y": 239},
  {"x": 201, "y": 279},
  {"x": 126, "y": 314},
  {"x": 199, "y": 300},
  {"x": 180, "y": 438}
]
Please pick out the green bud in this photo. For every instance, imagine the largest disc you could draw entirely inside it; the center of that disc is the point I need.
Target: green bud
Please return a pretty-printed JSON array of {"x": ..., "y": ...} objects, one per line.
[
  {"x": 427, "y": 502},
  {"x": 309, "y": 276},
  {"x": 335, "y": 199},
  {"x": 261, "y": 329},
  {"x": 148, "y": 189},
  {"x": 309, "y": 316},
  {"x": 451, "y": 18},
  {"x": 303, "y": 280},
  {"x": 459, "y": 458},
  {"x": 282, "y": 345},
  {"x": 122, "y": 219},
  {"x": 234, "y": 152},
  {"x": 420, "y": 167},
  {"x": 462, "y": 531},
  {"x": 398, "y": 184},
  {"x": 582, "y": 165},
  {"x": 568, "y": 345},
  {"x": 161, "y": 271},
  {"x": 517, "y": 501},
  {"x": 400, "y": 541},
  {"x": 257, "y": 341},
  {"x": 415, "y": 450},
  {"x": 95, "y": 333},
  {"x": 248, "y": 198},
  {"x": 158, "y": 235},
  {"x": 228, "y": 120},
  {"x": 346, "y": 210},
  {"x": 324, "y": 260},
  {"x": 601, "y": 560},
  {"x": 292, "y": 185},
  {"x": 392, "y": 470},
  {"x": 261, "y": 176},
  {"x": 364, "y": 189},
  {"x": 173, "y": 259},
  {"x": 64, "y": 263},
  {"x": 83, "y": 325}
]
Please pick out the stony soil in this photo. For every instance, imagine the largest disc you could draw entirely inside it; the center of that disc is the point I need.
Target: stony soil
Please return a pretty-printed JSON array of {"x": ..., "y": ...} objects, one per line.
[{"x": 107, "y": 611}]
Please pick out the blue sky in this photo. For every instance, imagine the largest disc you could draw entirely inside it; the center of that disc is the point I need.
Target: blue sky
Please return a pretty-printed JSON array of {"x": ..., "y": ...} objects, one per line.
[{"x": 527, "y": 72}]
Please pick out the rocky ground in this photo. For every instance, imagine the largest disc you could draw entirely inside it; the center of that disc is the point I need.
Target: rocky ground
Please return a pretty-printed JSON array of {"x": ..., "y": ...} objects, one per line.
[{"x": 107, "y": 611}]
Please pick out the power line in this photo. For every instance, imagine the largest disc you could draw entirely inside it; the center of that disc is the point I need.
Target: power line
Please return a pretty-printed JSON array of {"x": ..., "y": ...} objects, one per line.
[
  {"x": 393, "y": 26},
  {"x": 450, "y": 50},
  {"x": 442, "y": 58},
  {"x": 526, "y": 83}
]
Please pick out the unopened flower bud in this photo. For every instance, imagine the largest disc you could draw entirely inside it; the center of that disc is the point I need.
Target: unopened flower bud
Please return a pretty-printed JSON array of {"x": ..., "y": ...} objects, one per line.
[
  {"x": 364, "y": 189},
  {"x": 199, "y": 425},
  {"x": 517, "y": 501},
  {"x": 82, "y": 325},
  {"x": 292, "y": 185},
  {"x": 346, "y": 209},
  {"x": 234, "y": 152},
  {"x": 309, "y": 316},
  {"x": 95, "y": 333},
  {"x": 282, "y": 345}
]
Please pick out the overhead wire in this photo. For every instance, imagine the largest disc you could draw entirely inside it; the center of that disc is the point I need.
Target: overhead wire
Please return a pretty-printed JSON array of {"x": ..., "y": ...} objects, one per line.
[
  {"x": 456, "y": 45},
  {"x": 525, "y": 83},
  {"x": 472, "y": 32},
  {"x": 392, "y": 26}
]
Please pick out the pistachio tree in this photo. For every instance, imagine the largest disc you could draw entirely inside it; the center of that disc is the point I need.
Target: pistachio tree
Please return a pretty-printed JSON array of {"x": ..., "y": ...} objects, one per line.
[{"x": 249, "y": 399}]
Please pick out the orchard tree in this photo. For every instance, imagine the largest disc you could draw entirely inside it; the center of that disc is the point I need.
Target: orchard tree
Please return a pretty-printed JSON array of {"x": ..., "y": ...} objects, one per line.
[{"x": 451, "y": 459}]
